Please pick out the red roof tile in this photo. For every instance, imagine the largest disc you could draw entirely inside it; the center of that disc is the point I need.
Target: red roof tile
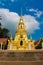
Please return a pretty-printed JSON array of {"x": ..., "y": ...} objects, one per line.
[{"x": 3, "y": 40}]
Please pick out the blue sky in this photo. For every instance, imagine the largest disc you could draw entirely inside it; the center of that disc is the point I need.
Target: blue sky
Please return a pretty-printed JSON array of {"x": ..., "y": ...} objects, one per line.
[{"x": 32, "y": 12}]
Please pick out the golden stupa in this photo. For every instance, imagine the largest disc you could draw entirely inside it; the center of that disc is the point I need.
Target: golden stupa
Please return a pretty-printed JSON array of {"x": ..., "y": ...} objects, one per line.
[{"x": 21, "y": 41}]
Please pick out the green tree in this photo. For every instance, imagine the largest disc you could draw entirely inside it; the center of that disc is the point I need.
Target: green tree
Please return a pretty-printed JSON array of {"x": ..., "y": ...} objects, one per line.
[{"x": 4, "y": 33}]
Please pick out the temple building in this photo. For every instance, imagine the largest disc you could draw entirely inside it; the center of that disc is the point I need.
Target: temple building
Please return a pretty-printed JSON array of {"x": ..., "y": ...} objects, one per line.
[{"x": 21, "y": 41}]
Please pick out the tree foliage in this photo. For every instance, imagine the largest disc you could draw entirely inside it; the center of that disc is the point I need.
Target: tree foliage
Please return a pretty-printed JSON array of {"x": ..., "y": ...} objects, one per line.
[{"x": 4, "y": 33}]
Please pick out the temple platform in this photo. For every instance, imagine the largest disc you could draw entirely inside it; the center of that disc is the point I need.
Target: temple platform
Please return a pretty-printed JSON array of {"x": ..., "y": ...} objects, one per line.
[{"x": 20, "y": 57}]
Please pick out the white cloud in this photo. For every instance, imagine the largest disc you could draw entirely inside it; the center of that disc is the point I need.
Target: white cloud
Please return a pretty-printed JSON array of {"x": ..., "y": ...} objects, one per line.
[
  {"x": 31, "y": 23},
  {"x": 33, "y": 10},
  {"x": 37, "y": 12},
  {"x": 10, "y": 20}
]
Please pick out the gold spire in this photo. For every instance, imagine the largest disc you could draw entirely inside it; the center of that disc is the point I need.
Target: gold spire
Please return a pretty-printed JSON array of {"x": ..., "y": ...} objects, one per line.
[
  {"x": 21, "y": 19},
  {"x": 21, "y": 27}
]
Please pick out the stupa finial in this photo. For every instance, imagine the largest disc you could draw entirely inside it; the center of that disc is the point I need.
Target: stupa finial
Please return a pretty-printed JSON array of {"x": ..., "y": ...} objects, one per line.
[{"x": 21, "y": 12}]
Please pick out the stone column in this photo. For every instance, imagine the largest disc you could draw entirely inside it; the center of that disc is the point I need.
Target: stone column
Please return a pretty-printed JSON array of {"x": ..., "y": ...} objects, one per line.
[
  {"x": 1, "y": 45},
  {"x": 29, "y": 45},
  {"x": 10, "y": 45},
  {"x": 42, "y": 45}
]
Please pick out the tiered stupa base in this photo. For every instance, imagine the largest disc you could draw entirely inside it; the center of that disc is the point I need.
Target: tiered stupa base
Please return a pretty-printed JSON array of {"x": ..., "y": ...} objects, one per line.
[
  {"x": 9, "y": 57},
  {"x": 20, "y": 55}
]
